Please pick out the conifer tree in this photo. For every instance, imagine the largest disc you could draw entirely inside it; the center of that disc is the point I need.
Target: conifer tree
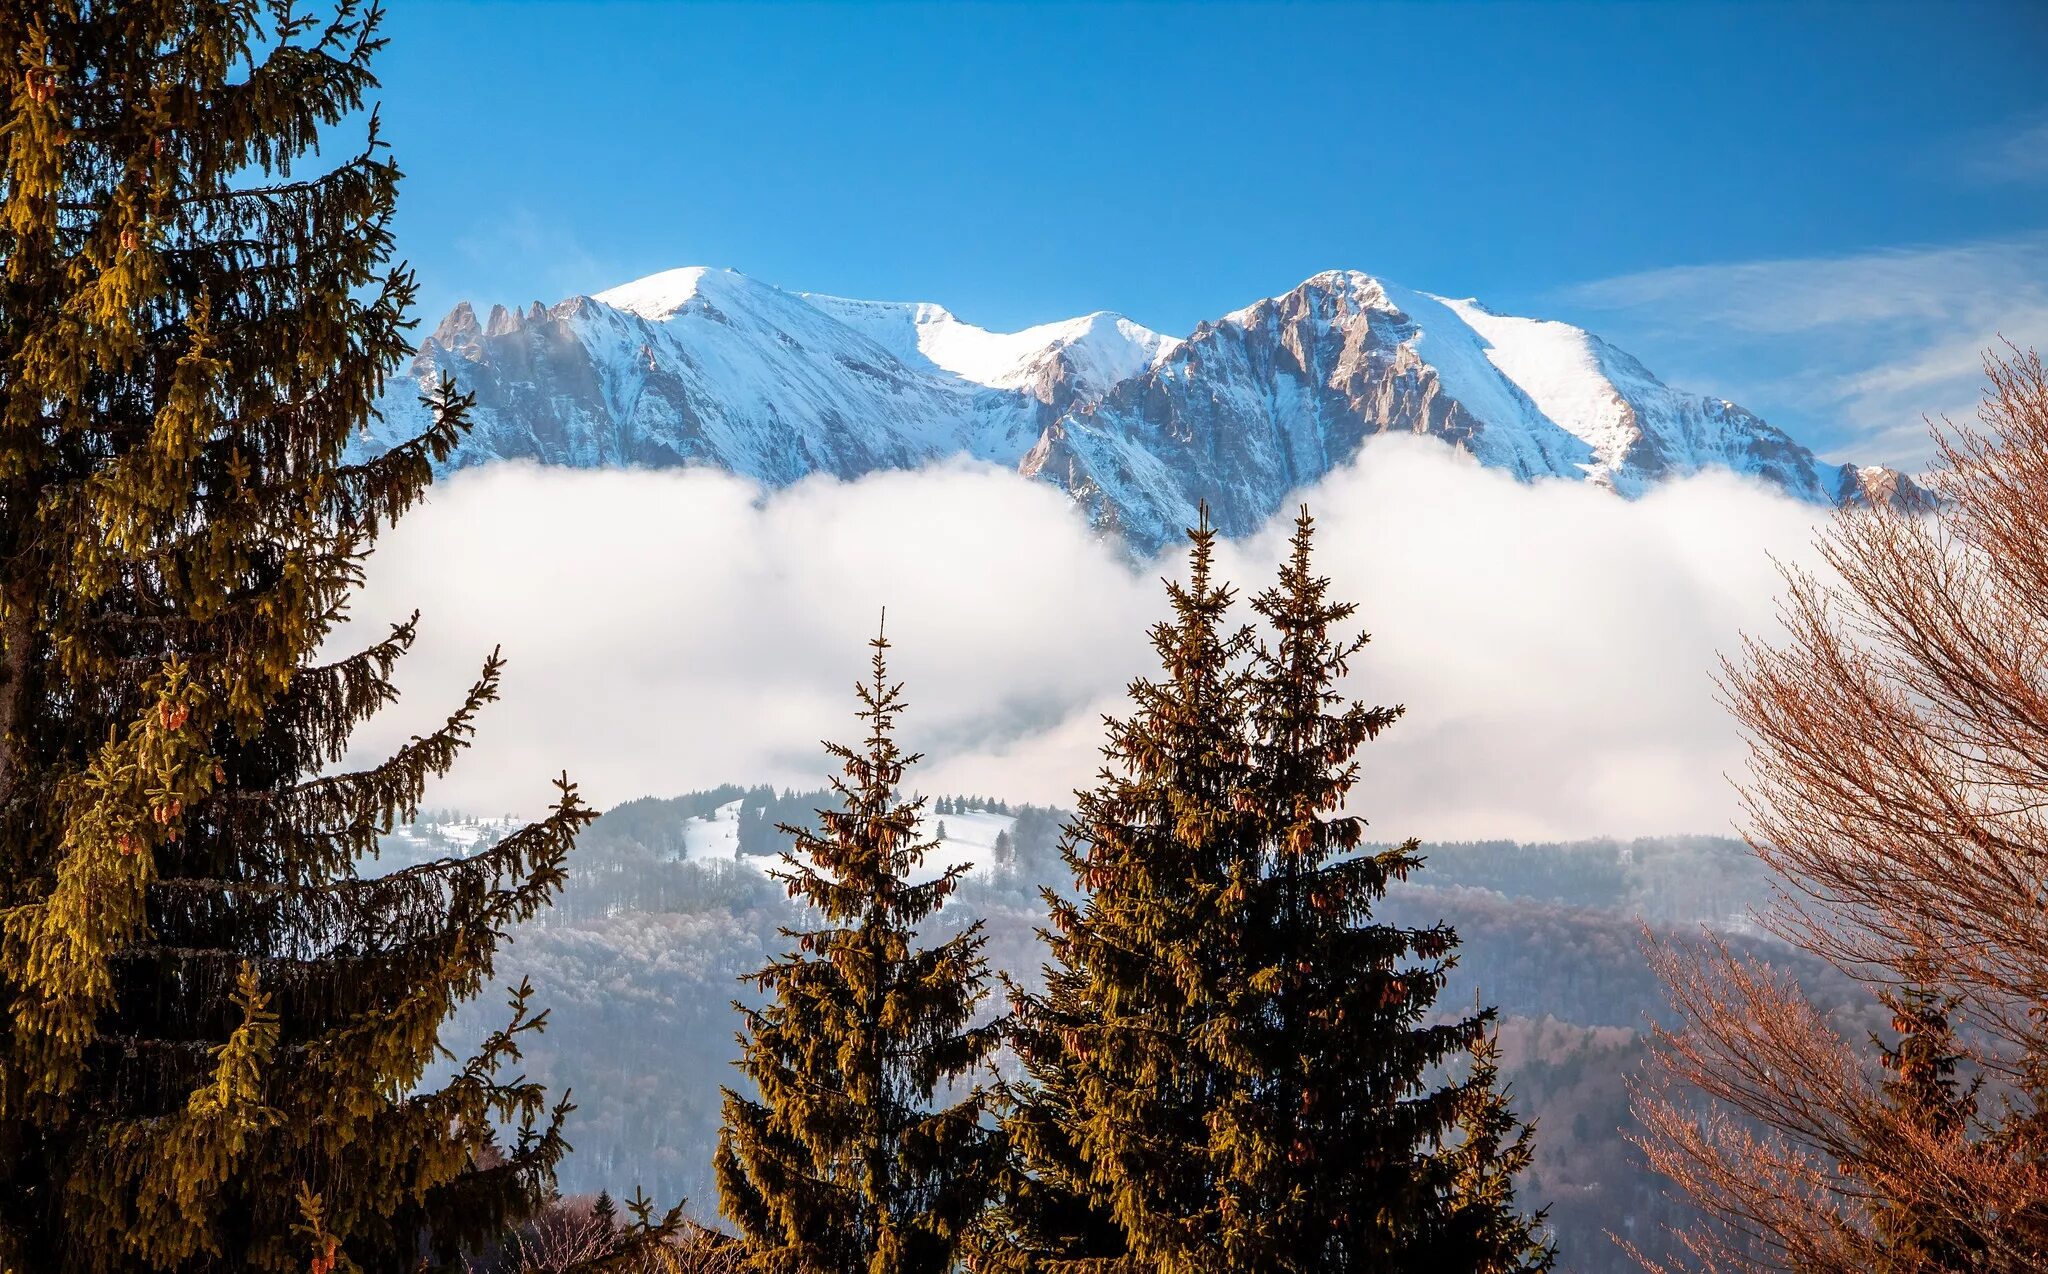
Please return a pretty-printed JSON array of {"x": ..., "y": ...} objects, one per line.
[
  {"x": 217, "y": 1025},
  {"x": 1921, "y": 1235},
  {"x": 846, "y": 1165},
  {"x": 1337, "y": 1148},
  {"x": 1233, "y": 1066},
  {"x": 1110, "y": 1125}
]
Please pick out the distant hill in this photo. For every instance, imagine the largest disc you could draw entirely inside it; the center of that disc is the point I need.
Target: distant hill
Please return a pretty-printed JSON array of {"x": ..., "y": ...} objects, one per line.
[{"x": 669, "y": 901}]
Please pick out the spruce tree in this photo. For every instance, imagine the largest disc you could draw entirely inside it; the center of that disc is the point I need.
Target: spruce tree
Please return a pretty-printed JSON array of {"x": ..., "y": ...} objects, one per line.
[
  {"x": 1111, "y": 1124},
  {"x": 1337, "y": 1147},
  {"x": 846, "y": 1164},
  {"x": 1233, "y": 1067},
  {"x": 1921, "y": 1235},
  {"x": 218, "y": 1025}
]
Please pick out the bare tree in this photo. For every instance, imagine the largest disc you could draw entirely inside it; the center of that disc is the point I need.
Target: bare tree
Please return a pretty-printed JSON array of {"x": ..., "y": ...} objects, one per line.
[
  {"x": 580, "y": 1236},
  {"x": 1899, "y": 786}
]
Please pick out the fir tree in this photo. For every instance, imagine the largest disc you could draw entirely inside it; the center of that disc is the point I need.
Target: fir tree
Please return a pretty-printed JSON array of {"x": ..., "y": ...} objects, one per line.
[
  {"x": 845, "y": 1164},
  {"x": 1231, "y": 1068},
  {"x": 1111, "y": 1124},
  {"x": 1334, "y": 1150},
  {"x": 218, "y": 1026},
  {"x": 1923, "y": 1235}
]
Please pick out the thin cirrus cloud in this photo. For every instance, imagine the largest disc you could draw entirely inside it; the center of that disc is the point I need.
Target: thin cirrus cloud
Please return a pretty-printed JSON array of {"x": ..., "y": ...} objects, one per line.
[
  {"x": 2015, "y": 153},
  {"x": 558, "y": 262},
  {"x": 672, "y": 630},
  {"x": 1855, "y": 354}
]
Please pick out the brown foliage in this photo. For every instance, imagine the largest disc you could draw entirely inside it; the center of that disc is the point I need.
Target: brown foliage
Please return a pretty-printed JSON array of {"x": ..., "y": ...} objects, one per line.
[
  {"x": 570, "y": 1236},
  {"x": 1899, "y": 785}
]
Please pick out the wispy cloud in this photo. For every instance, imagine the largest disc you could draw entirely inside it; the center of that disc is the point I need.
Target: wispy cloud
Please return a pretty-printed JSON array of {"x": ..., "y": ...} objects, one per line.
[
  {"x": 538, "y": 260},
  {"x": 2015, "y": 153},
  {"x": 1850, "y": 353}
]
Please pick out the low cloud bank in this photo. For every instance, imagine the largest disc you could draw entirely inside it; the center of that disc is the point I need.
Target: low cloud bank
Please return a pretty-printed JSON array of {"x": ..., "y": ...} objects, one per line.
[{"x": 672, "y": 630}]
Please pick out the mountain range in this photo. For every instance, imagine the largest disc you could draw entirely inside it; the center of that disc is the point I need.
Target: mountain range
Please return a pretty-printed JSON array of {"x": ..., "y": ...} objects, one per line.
[{"x": 704, "y": 366}]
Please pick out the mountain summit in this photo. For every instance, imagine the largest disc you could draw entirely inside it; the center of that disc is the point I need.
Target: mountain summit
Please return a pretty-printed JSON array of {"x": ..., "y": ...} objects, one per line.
[{"x": 708, "y": 366}]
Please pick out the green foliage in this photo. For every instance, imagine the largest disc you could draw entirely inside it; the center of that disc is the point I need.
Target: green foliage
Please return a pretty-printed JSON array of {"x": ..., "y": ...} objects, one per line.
[
  {"x": 637, "y": 957},
  {"x": 1232, "y": 1066},
  {"x": 1111, "y": 1129},
  {"x": 1922, "y": 1235},
  {"x": 218, "y": 1027},
  {"x": 846, "y": 1164}
]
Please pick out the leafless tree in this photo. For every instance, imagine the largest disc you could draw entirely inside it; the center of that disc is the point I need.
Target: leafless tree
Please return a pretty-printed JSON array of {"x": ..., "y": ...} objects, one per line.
[
  {"x": 1898, "y": 785},
  {"x": 573, "y": 1237}
]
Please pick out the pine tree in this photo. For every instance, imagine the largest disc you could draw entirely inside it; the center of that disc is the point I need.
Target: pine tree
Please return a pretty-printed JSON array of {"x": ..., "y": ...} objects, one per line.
[
  {"x": 1111, "y": 1123},
  {"x": 845, "y": 1164},
  {"x": 1335, "y": 1148},
  {"x": 1922, "y": 1235},
  {"x": 218, "y": 1026},
  {"x": 1231, "y": 1067}
]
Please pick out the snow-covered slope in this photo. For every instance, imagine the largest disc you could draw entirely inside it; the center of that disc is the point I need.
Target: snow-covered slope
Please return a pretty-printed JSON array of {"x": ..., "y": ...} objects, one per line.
[
  {"x": 1273, "y": 396},
  {"x": 708, "y": 366},
  {"x": 1074, "y": 359},
  {"x": 437, "y": 836},
  {"x": 966, "y": 838},
  {"x": 701, "y": 366},
  {"x": 1640, "y": 429}
]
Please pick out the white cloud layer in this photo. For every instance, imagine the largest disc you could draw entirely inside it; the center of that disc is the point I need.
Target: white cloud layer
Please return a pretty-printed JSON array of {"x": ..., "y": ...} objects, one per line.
[
  {"x": 668, "y": 631},
  {"x": 1852, "y": 353}
]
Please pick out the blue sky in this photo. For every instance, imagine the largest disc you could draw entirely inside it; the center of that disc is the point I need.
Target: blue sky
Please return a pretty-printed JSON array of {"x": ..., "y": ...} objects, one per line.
[{"x": 1821, "y": 211}]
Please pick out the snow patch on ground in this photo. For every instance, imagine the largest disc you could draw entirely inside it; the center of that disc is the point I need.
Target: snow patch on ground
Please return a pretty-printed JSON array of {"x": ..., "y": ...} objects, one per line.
[
  {"x": 432, "y": 838},
  {"x": 715, "y": 837},
  {"x": 969, "y": 840}
]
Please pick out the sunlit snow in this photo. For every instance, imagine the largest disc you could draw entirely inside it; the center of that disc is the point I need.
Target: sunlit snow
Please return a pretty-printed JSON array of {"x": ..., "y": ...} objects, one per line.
[
  {"x": 705, "y": 366},
  {"x": 969, "y": 840}
]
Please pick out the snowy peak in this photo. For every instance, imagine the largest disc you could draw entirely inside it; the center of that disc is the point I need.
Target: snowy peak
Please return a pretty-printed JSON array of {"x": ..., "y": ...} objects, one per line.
[
  {"x": 1274, "y": 396},
  {"x": 660, "y": 296},
  {"x": 1639, "y": 429},
  {"x": 1070, "y": 359},
  {"x": 1084, "y": 356},
  {"x": 1537, "y": 396},
  {"x": 709, "y": 366},
  {"x": 700, "y": 366},
  {"x": 1558, "y": 366},
  {"x": 1333, "y": 295}
]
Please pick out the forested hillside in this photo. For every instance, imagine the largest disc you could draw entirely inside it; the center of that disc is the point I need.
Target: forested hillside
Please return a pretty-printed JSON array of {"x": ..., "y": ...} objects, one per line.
[{"x": 669, "y": 902}]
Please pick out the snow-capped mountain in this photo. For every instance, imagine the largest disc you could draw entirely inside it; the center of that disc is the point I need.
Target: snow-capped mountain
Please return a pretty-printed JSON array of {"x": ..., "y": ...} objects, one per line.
[
  {"x": 702, "y": 366},
  {"x": 708, "y": 366},
  {"x": 1062, "y": 365}
]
